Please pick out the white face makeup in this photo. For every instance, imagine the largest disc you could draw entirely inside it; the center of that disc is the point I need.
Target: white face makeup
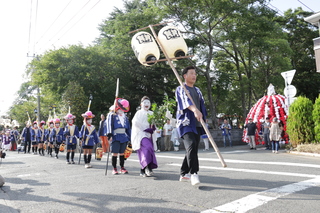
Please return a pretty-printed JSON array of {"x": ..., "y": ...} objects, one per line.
[
  {"x": 120, "y": 112},
  {"x": 70, "y": 121},
  {"x": 57, "y": 125},
  {"x": 89, "y": 121},
  {"x": 35, "y": 125},
  {"x": 51, "y": 125},
  {"x": 145, "y": 105}
]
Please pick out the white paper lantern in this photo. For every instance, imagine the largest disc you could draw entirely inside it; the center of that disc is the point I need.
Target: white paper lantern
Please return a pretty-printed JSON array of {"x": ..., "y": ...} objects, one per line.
[
  {"x": 145, "y": 48},
  {"x": 172, "y": 42}
]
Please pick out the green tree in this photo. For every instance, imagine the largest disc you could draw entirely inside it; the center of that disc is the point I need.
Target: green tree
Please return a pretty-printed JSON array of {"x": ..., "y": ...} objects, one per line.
[
  {"x": 25, "y": 102},
  {"x": 238, "y": 47},
  {"x": 300, "y": 35},
  {"x": 253, "y": 52},
  {"x": 77, "y": 101},
  {"x": 158, "y": 118},
  {"x": 137, "y": 80},
  {"x": 316, "y": 119},
  {"x": 300, "y": 126},
  {"x": 89, "y": 67}
]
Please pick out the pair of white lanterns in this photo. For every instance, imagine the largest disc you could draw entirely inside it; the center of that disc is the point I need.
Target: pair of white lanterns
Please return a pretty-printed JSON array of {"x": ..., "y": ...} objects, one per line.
[{"x": 147, "y": 51}]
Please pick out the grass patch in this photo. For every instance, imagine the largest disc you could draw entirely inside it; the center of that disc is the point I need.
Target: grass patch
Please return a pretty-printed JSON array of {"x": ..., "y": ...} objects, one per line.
[{"x": 310, "y": 148}]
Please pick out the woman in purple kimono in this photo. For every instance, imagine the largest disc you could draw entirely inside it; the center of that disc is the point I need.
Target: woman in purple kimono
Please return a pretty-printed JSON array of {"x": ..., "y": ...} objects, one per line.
[{"x": 143, "y": 140}]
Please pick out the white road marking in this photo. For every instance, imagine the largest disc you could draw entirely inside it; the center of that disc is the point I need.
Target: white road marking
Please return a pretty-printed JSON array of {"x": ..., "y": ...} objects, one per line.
[
  {"x": 247, "y": 162},
  {"x": 252, "y": 171},
  {"x": 255, "y": 200},
  {"x": 232, "y": 152},
  {"x": 20, "y": 156},
  {"x": 28, "y": 175}
]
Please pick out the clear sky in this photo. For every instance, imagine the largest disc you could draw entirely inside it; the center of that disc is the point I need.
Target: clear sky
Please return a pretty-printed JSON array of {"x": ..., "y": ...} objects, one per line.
[
  {"x": 60, "y": 23},
  {"x": 56, "y": 23}
]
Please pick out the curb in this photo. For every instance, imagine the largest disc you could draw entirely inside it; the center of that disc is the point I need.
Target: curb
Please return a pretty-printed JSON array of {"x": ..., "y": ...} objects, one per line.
[{"x": 304, "y": 153}]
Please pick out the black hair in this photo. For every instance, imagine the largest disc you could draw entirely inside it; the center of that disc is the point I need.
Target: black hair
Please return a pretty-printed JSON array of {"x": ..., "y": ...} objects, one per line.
[{"x": 185, "y": 70}]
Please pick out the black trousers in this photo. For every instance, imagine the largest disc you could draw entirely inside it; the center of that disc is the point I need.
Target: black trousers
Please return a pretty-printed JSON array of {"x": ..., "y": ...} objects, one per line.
[
  {"x": 190, "y": 162},
  {"x": 27, "y": 144},
  {"x": 159, "y": 143}
]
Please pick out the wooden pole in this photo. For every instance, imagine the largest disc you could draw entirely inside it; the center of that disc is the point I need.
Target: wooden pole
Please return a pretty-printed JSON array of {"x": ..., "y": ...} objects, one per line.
[
  {"x": 114, "y": 111},
  {"x": 186, "y": 91}
]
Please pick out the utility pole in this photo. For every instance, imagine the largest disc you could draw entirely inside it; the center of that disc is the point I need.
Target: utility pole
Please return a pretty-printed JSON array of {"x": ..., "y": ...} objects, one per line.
[
  {"x": 38, "y": 105},
  {"x": 38, "y": 92}
]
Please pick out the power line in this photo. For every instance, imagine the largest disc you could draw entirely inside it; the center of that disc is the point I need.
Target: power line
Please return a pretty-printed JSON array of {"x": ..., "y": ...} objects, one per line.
[
  {"x": 30, "y": 23},
  {"x": 276, "y": 9},
  {"x": 305, "y": 5},
  {"x": 67, "y": 23},
  {"x": 76, "y": 22},
  {"x": 54, "y": 22},
  {"x": 35, "y": 28}
]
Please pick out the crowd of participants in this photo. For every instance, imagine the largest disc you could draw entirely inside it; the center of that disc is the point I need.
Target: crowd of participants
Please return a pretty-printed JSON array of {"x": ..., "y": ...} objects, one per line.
[{"x": 115, "y": 133}]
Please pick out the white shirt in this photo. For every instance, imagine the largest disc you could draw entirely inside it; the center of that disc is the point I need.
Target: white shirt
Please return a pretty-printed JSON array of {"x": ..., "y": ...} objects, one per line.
[
  {"x": 167, "y": 129},
  {"x": 139, "y": 124}
]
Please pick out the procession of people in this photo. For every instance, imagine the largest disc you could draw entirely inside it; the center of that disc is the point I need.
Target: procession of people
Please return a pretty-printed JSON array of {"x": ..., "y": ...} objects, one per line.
[{"x": 115, "y": 133}]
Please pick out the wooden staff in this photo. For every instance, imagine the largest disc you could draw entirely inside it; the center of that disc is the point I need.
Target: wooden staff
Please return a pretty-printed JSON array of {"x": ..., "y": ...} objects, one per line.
[
  {"x": 186, "y": 91},
  {"x": 90, "y": 99},
  {"x": 116, "y": 96},
  {"x": 114, "y": 110},
  {"x": 80, "y": 147}
]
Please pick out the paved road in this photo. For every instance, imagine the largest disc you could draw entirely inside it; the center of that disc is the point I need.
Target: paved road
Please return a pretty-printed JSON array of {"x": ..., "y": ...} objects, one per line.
[{"x": 254, "y": 181}]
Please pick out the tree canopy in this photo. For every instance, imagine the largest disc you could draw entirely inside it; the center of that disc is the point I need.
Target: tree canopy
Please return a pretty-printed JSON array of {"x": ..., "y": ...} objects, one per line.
[{"x": 239, "y": 48}]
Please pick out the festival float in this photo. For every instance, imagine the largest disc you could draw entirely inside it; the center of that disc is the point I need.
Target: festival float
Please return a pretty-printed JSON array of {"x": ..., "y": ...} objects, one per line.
[{"x": 271, "y": 105}]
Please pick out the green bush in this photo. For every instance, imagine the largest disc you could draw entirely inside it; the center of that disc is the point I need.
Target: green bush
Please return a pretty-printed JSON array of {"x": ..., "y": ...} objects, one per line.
[
  {"x": 158, "y": 117},
  {"x": 316, "y": 119},
  {"x": 300, "y": 126}
]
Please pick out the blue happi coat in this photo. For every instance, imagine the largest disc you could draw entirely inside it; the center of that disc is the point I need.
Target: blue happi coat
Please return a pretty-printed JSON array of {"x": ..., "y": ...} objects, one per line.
[
  {"x": 34, "y": 135},
  {"x": 225, "y": 131},
  {"x": 103, "y": 128},
  {"x": 114, "y": 125},
  {"x": 88, "y": 135},
  {"x": 49, "y": 136},
  {"x": 42, "y": 135},
  {"x": 57, "y": 135},
  {"x": 26, "y": 133},
  {"x": 14, "y": 134},
  {"x": 71, "y": 134},
  {"x": 186, "y": 121}
]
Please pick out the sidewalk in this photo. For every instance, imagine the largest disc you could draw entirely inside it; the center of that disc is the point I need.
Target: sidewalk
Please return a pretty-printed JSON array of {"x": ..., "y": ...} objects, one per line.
[{"x": 304, "y": 153}]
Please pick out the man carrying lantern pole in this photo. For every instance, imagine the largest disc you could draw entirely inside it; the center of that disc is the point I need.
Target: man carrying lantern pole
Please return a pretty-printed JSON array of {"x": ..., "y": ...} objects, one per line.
[
  {"x": 189, "y": 115},
  {"x": 174, "y": 47}
]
